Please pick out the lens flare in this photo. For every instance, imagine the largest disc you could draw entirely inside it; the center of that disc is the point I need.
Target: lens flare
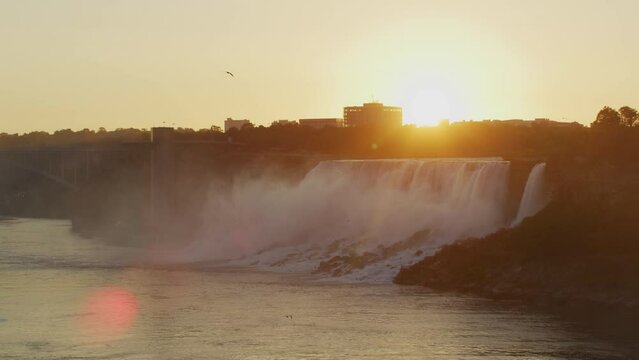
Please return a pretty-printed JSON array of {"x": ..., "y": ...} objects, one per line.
[{"x": 109, "y": 312}]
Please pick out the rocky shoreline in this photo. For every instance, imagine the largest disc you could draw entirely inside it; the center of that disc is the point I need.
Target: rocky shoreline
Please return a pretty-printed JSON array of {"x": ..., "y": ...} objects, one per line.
[{"x": 572, "y": 254}]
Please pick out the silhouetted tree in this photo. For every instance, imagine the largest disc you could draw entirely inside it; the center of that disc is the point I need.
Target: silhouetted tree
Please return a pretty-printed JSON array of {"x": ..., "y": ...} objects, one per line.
[
  {"x": 607, "y": 118},
  {"x": 629, "y": 116},
  {"x": 248, "y": 126}
]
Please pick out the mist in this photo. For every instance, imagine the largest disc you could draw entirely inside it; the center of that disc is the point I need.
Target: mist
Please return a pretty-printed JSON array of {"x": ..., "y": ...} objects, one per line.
[{"x": 352, "y": 207}]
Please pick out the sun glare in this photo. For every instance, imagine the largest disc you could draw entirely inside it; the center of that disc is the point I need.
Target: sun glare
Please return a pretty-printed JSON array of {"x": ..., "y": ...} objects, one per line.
[
  {"x": 428, "y": 107},
  {"x": 427, "y": 99}
]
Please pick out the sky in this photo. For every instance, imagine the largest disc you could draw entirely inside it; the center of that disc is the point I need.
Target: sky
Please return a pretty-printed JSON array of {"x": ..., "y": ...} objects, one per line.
[{"x": 142, "y": 63}]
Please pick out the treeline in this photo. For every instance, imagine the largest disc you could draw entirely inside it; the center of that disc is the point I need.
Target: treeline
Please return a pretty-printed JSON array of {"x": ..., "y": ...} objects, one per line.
[
  {"x": 613, "y": 134},
  {"x": 490, "y": 138},
  {"x": 68, "y": 137},
  {"x": 617, "y": 140},
  {"x": 609, "y": 118}
]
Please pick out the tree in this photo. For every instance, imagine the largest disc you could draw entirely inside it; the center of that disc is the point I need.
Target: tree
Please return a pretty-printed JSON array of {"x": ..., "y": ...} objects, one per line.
[
  {"x": 607, "y": 118},
  {"x": 247, "y": 126},
  {"x": 629, "y": 116}
]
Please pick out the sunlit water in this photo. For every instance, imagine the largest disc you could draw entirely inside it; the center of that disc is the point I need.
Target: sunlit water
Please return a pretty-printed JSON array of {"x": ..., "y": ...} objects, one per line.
[{"x": 62, "y": 297}]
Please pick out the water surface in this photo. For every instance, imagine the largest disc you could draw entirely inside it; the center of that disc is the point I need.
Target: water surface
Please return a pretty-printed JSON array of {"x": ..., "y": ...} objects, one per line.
[{"x": 51, "y": 281}]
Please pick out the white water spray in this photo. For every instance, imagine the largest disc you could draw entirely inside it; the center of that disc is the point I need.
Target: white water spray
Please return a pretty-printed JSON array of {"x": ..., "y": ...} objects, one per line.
[
  {"x": 349, "y": 208},
  {"x": 535, "y": 195}
]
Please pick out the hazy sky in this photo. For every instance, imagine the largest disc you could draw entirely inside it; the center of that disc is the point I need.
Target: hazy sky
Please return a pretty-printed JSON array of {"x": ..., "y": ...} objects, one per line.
[{"x": 136, "y": 63}]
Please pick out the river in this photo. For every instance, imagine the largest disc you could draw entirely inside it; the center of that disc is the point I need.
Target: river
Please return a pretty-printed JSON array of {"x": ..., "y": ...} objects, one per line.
[{"x": 64, "y": 297}]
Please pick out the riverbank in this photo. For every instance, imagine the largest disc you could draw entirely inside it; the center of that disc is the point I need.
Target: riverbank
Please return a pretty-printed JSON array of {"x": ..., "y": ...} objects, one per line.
[{"x": 581, "y": 251}]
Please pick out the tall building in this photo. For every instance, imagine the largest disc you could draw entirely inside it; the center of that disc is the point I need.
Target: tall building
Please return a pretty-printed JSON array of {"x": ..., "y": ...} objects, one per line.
[
  {"x": 234, "y": 124},
  {"x": 373, "y": 114},
  {"x": 322, "y": 122}
]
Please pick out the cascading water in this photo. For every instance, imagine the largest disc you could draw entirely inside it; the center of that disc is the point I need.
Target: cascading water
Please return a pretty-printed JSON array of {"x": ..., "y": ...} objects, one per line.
[
  {"x": 535, "y": 195},
  {"x": 362, "y": 219}
]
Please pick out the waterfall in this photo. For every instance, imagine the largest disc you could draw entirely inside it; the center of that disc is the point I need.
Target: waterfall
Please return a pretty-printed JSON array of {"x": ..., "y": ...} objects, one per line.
[
  {"x": 535, "y": 195},
  {"x": 378, "y": 214}
]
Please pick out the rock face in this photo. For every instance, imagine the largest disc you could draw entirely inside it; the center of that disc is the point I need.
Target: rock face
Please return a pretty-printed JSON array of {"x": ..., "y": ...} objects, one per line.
[{"x": 579, "y": 250}]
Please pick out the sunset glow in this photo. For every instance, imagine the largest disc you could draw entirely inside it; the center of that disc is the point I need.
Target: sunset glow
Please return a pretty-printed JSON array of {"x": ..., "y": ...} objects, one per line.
[
  {"x": 429, "y": 99},
  {"x": 325, "y": 179},
  {"x": 121, "y": 64}
]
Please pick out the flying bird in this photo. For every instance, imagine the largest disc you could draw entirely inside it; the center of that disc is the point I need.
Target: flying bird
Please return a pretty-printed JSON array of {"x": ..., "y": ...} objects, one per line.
[{"x": 230, "y": 73}]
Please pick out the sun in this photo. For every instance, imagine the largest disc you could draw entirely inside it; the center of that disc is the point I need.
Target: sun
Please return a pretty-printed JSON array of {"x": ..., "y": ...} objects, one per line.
[
  {"x": 427, "y": 107},
  {"x": 427, "y": 98}
]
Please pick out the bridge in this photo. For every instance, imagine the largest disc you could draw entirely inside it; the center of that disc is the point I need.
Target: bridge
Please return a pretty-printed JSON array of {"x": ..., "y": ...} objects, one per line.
[
  {"x": 75, "y": 168},
  {"x": 158, "y": 164},
  {"x": 69, "y": 167}
]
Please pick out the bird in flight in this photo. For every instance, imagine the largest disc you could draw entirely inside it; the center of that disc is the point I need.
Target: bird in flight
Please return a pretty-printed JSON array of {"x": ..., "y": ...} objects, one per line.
[{"x": 230, "y": 73}]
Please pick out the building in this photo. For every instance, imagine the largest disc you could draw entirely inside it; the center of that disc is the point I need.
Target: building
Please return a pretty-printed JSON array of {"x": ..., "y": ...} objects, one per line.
[
  {"x": 373, "y": 114},
  {"x": 538, "y": 122},
  {"x": 322, "y": 123},
  {"x": 235, "y": 124},
  {"x": 515, "y": 122},
  {"x": 553, "y": 123},
  {"x": 283, "y": 122}
]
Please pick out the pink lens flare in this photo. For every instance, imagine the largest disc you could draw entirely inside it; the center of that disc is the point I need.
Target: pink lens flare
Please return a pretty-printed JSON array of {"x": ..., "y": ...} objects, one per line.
[{"x": 109, "y": 312}]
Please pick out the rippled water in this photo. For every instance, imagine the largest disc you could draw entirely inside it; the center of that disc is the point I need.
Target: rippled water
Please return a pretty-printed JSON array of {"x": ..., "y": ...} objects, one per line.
[{"x": 62, "y": 297}]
